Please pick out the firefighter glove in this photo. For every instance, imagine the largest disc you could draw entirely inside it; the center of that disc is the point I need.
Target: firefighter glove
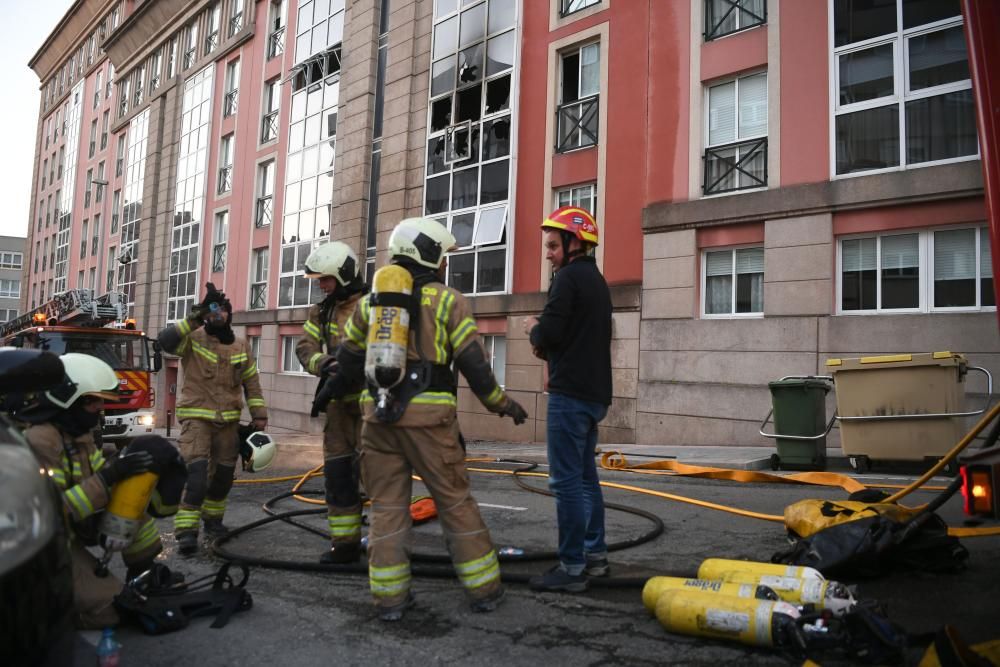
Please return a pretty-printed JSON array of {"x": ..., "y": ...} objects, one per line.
[
  {"x": 514, "y": 410},
  {"x": 125, "y": 466}
]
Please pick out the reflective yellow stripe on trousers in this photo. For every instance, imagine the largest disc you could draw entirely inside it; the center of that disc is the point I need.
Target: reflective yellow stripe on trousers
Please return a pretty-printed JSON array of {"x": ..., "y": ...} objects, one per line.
[
  {"x": 479, "y": 572},
  {"x": 389, "y": 581}
]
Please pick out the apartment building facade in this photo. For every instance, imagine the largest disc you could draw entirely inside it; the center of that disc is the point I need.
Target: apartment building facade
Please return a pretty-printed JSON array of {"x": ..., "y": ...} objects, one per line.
[
  {"x": 11, "y": 272},
  {"x": 766, "y": 198}
]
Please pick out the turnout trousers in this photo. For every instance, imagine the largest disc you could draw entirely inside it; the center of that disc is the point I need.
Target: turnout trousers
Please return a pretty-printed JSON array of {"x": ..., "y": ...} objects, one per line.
[
  {"x": 341, "y": 438},
  {"x": 210, "y": 450},
  {"x": 389, "y": 456}
]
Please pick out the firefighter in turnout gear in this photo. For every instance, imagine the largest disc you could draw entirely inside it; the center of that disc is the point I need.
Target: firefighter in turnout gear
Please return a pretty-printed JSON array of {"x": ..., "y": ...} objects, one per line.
[
  {"x": 335, "y": 266},
  {"x": 61, "y": 434},
  {"x": 412, "y": 427},
  {"x": 218, "y": 371}
]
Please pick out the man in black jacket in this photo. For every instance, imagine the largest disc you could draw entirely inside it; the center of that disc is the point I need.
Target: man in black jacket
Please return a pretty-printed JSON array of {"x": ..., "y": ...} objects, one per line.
[{"x": 573, "y": 334}]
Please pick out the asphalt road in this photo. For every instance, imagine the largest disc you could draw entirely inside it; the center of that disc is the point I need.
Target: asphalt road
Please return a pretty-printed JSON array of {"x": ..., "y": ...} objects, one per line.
[{"x": 321, "y": 618}]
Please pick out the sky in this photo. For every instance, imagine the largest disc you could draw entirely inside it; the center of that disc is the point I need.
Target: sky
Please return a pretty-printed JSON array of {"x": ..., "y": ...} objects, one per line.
[{"x": 24, "y": 27}]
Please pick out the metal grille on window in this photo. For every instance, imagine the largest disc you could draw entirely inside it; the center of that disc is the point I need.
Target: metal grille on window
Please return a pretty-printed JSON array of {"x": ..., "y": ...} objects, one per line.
[
  {"x": 736, "y": 155},
  {"x": 567, "y": 7},
  {"x": 723, "y": 17},
  {"x": 577, "y": 118},
  {"x": 259, "y": 266},
  {"x": 470, "y": 128}
]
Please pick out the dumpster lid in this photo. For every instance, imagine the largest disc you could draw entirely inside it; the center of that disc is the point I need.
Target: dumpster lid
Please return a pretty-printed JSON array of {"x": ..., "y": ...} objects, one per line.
[{"x": 897, "y": 361}]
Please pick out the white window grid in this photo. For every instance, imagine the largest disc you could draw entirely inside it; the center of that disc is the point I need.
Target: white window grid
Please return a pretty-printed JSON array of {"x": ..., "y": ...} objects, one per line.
[
  {"x": 581, "y": 196},
  {"x": 732, "y": 299},
  {"x": 192, "y": 163},
  {"x": 925, "y": 244},
  {"x": 71, "y": 130},
  {"x": 11, "y": 260},
  {"x": 10, "y": 289},
  {"x": 451, "y": 50},
  {"x": 320, "y": 25},
  {"x": 899, "y": 40},
  {"x": 309, "y": 181},
  {"x": 289, "y": 361},
  {"x": 496, "y": 352},
  {"x": 8, "y": 314}
]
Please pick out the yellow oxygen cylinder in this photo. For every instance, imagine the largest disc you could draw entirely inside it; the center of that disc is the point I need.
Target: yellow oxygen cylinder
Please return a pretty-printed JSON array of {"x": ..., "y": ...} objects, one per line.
[
  {"x": 823, "y": 593},
  {"x": 712, "y": 568},
  {"x": 388, "y": 327},
  {"x": 745, "y": 620},
  {"x": 656, "y": 586},
  {"x": 126, "y": 509}
]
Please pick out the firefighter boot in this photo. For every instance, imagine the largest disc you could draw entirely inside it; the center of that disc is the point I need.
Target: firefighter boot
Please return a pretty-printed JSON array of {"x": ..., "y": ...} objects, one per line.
[
  {"x": 214, "y": 528},
  {"x": 396, "y": 611},
  {"x": 488, "y": 603},
  {"x": 187, "y": 542},
  {"x": 341, "y": 553}
]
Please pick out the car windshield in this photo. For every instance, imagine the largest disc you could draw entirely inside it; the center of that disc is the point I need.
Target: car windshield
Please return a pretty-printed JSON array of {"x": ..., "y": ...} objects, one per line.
[{"x": 118, "y": 351}]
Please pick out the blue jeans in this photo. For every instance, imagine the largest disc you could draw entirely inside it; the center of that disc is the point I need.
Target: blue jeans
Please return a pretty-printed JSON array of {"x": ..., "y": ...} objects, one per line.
[{"x": 572, "y": 438}]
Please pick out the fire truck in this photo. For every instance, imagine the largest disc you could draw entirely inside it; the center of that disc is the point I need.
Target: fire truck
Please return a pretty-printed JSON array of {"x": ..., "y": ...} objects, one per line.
[{"x": 77, "y": 321}]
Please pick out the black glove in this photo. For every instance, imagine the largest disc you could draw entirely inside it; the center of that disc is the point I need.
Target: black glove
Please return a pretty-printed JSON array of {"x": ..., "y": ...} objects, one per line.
[
  {"x": 514, "y": 410},
  {"x": 329, "y": 367},
  {"x": 125, "y": 466}
]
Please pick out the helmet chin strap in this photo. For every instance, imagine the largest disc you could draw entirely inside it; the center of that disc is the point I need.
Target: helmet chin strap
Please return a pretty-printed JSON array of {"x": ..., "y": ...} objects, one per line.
[{"x": 569, "y": 255}]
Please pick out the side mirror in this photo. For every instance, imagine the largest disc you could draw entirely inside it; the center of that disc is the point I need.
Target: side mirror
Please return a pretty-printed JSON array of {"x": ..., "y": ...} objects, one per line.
[{"x": 157, "y": 355}]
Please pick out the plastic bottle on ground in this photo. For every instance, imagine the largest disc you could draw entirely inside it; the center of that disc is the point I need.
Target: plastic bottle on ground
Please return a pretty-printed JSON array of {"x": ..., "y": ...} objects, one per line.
[{"x": 108, "y": 649}]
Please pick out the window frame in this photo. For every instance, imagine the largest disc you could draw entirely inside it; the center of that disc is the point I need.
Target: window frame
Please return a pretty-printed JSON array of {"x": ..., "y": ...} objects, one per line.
[
  {"x": 925, "y": 254},
  {"x": 259, "y": 271},
  {"x": 288, "y": 344},
  {"x": 710, "y": 35},
  {"x": 738, "y": 141},
  {"x": 900, "y": 40},
  {"x": 584, "y": 102},
  {"x": 489, "y": 344},
  {"x": 564, "y": 10},
  {"x": 703, "y": 283}
]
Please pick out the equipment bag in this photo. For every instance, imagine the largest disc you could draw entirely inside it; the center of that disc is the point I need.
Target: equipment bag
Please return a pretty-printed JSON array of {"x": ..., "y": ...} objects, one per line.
[
  {"x": 868, "y": 542},
  {"x": 158, "y": 605}
]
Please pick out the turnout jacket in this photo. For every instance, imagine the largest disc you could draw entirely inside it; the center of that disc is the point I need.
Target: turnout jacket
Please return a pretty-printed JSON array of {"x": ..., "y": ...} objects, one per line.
[
  {"x": 73, "y": 464},
  {"x": 319, "y": 343},
  {"x": 216, "y": 375},
  {"x": 448, "y": 334}
]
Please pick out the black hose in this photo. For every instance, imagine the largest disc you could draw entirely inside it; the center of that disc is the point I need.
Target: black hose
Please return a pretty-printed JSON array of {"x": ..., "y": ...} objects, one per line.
[{"x": 420, "y": 565}]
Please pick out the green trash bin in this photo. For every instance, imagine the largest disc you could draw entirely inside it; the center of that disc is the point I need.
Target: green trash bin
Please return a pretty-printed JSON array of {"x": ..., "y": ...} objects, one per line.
[{"x": 799, "y": 409}]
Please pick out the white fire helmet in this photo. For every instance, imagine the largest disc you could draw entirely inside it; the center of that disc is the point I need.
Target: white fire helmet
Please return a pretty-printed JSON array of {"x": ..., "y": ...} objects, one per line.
[{"x": 258, "y": 451}]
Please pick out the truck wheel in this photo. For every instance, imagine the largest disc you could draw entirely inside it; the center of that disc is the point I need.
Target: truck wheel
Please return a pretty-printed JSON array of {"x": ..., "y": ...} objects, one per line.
[{"x": 861, "y": 464}]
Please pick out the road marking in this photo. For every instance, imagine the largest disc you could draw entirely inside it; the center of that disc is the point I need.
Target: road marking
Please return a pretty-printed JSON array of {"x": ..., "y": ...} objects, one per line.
[{"x": 504, "y": 507}]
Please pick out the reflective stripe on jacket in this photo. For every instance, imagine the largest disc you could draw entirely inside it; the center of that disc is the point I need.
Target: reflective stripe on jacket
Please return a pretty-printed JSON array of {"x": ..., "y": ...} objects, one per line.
[
  {"x": 216, "y": 375},
  {"x": 447, "y": 328},
  {"x": 316, "y": 347},
  {"x": 84, "y": 492}
]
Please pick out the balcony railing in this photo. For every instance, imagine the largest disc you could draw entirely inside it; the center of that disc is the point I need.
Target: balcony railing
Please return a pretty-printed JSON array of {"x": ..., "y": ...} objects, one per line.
[
  {"x": 104, "y": 142},
  {"x": 211, "y": 42},
  {"x": 219, "y": 258},
  {"x": 119, "y": 165},
  {"x": 83, "y": 248},
  {"x": 276, "y": 43},
  {"x": 229, "y": 103},
  {"x": 723, "y": 17},
  {"x": 154, "y": 83},
  {"x": 265, "y": 211},
  {"x": 258, "y": 296},
  {"x": 269, "y": 127},
  {"x": 86, "y": 199},
  {"x": 235, "y": 24},
  {"x": 114, "y": 223},
  {"x": 225, "y": 178},
  {"x": 577, "y": 124},
  {"x": 137, "y": 96},
  {"x": 189, "y": 57},
  {"x": 92, "y": 149},
  {"x": 94, "y": 244},
  {"x": 736, "y": 166}
]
